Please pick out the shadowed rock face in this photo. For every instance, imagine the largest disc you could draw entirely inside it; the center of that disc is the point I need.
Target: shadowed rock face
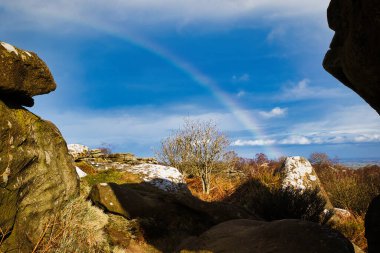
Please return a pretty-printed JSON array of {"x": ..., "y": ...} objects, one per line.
[
  {"x": 354, "y": 57},
  {"x": 37, "y": 175},
  {"x": 372, "y": 226},
  {"x": 282, "y": 236}
]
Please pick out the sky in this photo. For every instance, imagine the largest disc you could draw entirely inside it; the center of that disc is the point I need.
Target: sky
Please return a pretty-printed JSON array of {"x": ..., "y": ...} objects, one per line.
[{"x": 130, "y": 72}]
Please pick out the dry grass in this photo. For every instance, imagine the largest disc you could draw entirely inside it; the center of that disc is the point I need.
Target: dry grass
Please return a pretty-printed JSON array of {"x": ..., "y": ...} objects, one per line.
[
  {"x": 350, "y": 189},
  {"x": 353, "y": 228},
  {"x": 76, "y": 228},
  {"x": 223, "y": 187}
]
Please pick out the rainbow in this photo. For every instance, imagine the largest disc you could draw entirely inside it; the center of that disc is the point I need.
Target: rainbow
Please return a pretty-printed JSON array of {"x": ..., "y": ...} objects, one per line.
[{"x": 201, "y": 79}]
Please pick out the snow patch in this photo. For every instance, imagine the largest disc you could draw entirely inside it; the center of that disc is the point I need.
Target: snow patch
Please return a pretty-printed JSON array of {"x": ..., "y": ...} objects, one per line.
[
  {"x": 80, "y": 172},
  {"x": 163, "y": 177},
  {"x": 9, "y": 48},
  {"x": 29, "y": 54}
]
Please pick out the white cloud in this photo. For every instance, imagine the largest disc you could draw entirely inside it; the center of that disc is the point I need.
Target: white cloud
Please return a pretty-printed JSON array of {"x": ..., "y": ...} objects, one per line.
[
  {"x": 303, "y": 90},
  {"x": 275, "y": 112},
  {"x": 242, "y": 78},
  {"x": 152, "y": 12},
  {"x": 259, "y": 142},
  {"x": 295, "y": 140}
]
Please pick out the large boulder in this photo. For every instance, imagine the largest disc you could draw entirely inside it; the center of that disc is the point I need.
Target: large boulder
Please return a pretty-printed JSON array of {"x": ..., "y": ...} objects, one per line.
[
  {"x": 372, "y": 226},
  {"x": 144, "y": 200},
  {"x": 23, "y": 75},
  {"x": 37, "y": 174},
  {"x": 354, "y": 59},
  {"x": 282, "y": 236},
  {"x": 161, "y": 214},
  {"x": 297, "y": 172},
  {"x": 354, "y": 52}
]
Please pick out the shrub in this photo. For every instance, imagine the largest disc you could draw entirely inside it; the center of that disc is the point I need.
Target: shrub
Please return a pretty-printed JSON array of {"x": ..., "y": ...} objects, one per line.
[
  {"x": 78, "y": 227},
  {"x": 280, "y": 203},
  {"x": 353, "y": 228},
  {"x": 351, "y": 189},
  {"x": 196, "y": 148}
]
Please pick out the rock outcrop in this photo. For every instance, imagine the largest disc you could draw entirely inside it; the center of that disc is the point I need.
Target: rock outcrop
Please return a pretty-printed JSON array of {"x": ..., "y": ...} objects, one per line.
[
  {"x": 37, "y": 174},
  {"x": 354, "y": 52},
  {"x": 143, "y": 200},
  {"x": 282, "y": 236},
  {"x": 78, "y": 151},
  {"x": 103, "y": 159},
  {"x": 372, "y": 226},
  {"x": 297, "y": 172},
  {"x": 162, "y": 214},
  {"x": 23, "y": 75},
  {"x": 354, "y": 59}
]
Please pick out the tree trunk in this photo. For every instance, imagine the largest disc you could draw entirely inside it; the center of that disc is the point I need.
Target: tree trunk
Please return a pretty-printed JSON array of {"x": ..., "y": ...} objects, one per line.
[{"x": 205, "y": 184}]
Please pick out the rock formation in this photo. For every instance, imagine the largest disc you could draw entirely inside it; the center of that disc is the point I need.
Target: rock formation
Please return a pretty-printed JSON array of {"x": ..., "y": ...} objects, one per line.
[
  {"x": 37, "y": 174},
  {"x": 78, "y": 151},
  {"x": 354, "y": 59},
  {"x": 23, "y": 75},
  {"x": 162, "y": 214},
  {"x": 146, "y": 201},
  {"x": 282, "y": 236},
  {"x": 354, "y": 55},
  {"x": 98, "y": 158},
  {"x": 298, "y": 173},
  {"x": 372, "y": 226}
]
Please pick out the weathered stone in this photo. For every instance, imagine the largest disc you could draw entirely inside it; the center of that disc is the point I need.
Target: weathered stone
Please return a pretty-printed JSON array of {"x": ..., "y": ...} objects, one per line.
[
  {"x": 78, "y": 151},
  {"x": 298, "y": 173},
  {"x": 282, "y": 236},
  {"x": 145, "y": 201},
  {"x": 354, "y": 55},
  {"x": 372, "y": 226},
  {"x": 37, "y": 176},
  {"x": 22, "y": 75}
]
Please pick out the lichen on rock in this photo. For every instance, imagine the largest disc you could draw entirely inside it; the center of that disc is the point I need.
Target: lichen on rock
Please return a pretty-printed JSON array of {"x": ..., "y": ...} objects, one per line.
[{"x": 37, "y": 174}]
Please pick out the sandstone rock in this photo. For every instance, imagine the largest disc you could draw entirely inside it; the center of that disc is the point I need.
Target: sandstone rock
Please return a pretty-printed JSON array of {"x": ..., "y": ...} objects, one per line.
[
  {"x": 283, "y": 236},
  {"x": 22, "y": 75},
  {"x": 298, "y": 173},
  {"x": 96, "y": 153},
  {"x": 354, "y": 55},
  {"x": 372, "y": 226},
  {"x": 37, "y": 174},
  {"x": 178, "y": 214},
  {"x": 78, "y": 151}
]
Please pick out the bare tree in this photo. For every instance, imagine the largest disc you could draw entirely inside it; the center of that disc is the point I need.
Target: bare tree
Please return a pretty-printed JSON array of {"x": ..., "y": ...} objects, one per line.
[{"x": 196, "y": 148}]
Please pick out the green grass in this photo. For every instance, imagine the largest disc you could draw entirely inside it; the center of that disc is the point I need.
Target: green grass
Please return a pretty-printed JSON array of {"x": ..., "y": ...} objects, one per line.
[{"x": 108, "y": 176}]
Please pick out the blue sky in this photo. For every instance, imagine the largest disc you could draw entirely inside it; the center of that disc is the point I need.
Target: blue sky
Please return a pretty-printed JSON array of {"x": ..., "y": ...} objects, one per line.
[{"x": 129, "y": 72}]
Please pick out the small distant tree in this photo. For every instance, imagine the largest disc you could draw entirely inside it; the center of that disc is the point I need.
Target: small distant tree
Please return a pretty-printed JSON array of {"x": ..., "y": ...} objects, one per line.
[
  {"x": 261, "y": 158},
  {"x": 320, "y": 159},
  {"x": 196, "y": 148}
]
